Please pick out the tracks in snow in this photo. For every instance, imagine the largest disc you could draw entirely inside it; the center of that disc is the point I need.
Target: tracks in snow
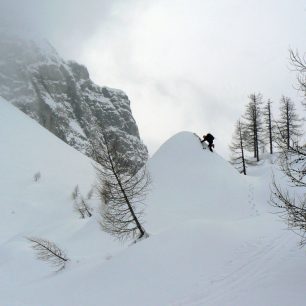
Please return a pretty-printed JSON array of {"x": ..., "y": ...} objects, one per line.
[{"x": 250, "y": 266}]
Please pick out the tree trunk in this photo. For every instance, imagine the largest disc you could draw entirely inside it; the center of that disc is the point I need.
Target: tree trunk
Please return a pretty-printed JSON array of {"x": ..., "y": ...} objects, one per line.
[
  {"x": 142, "y": 232},
  {"x": 270, "y": 127},
  {"x": 288, "y": 125},
  {"x": 242, "y": 151}
]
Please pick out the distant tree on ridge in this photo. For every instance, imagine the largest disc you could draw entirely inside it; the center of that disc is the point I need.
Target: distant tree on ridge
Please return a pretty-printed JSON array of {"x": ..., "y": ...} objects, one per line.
[
  {"x": 253, "y": 124},
  {"x": 237, "y": 149}
]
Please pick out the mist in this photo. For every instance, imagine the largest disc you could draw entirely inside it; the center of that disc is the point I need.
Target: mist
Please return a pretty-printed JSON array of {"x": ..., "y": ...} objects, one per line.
[{"x": 185, "y": 65}]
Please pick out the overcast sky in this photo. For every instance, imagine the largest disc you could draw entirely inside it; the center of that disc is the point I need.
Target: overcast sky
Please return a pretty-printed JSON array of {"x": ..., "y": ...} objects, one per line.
[{"x": 185, "y": 64}]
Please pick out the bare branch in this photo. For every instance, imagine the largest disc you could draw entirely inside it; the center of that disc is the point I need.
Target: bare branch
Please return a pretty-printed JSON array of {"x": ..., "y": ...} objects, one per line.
[{"x": 48, "y": 251}]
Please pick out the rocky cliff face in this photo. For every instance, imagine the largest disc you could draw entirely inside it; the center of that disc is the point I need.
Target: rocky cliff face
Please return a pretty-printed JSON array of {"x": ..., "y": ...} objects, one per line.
[{"x": 62, "y": 98}]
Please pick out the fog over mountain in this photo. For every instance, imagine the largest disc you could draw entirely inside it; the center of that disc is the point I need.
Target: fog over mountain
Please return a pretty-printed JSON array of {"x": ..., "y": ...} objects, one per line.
[
  {"x": 61, "y": 97},
  {"x": 186, "y": 65}
]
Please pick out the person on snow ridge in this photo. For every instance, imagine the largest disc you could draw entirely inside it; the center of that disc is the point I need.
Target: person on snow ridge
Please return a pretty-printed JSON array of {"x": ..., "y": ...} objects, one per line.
[{"x": 209, "y": 138}]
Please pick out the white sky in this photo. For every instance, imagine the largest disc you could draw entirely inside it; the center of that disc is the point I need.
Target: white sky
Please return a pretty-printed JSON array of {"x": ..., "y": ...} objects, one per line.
[{"x": 185, "y": 65}]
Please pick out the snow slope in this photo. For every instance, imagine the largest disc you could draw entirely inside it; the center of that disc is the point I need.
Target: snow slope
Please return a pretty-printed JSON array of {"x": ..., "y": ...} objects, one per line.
[
  {"x": 213, "y": 241},
  {"x": 43, "y": 208},
  {"x": 194, "y": 183}
]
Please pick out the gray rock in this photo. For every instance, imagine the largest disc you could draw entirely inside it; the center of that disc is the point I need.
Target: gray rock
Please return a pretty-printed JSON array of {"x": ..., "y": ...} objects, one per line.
[{"x": 62, "y": 98}]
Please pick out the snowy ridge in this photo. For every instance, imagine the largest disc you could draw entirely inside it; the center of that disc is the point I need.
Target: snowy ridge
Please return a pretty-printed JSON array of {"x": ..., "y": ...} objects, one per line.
[{"x": 212, "y": 242}]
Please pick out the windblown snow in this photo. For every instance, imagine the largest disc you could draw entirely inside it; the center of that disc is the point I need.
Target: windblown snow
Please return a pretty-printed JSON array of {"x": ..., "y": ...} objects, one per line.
[{"x": 213, "y": 239}]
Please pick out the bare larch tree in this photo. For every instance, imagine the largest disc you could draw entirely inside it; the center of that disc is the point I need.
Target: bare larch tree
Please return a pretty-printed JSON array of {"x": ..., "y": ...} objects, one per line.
[
  {"x": 299, "y": 64},
  {"x": 48, "y": 251},
  {"x": 288, "y": 124},
  {"x": 79, "y": 203},
  {"x": 293, "y": 164},
  {"x": 268, "y": 125},
  {"x": 253, "y": 124},
  {"x": 122, "y": 187},
  {"x": 82, "y": 208},
  {"x": 237, "y": 149}
]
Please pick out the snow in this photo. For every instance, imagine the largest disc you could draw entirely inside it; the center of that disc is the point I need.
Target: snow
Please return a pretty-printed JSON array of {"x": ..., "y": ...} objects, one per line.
[
  {"x": 213, "y": 239},
  {"x": 194, "y": 183},
  {"x": 50, "y": 101},
  {"x": 76, "y": 127}
]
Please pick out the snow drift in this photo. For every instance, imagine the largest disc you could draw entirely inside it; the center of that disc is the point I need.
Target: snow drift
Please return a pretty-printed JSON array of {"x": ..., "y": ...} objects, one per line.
[{"x": 190, "y": 182}]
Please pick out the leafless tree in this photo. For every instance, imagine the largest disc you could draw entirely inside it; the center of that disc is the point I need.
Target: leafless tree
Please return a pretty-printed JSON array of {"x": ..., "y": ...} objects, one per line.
[
  {"x": 288, "y": 125},
  {"x": 292, "y": 210},
  {"x": 292, "y": 161},
  {"x": 237, "y": 149},
  {"x": 292, "y": 207},
  {"x": 82, "y": 207},
  {"x": 48, "y": 251},
  {"x": 299, "y": 64},
  {"x": 122, "y": 188},
  {"x": 268, "y": 125},
  {"x": 253, "y": 124}
]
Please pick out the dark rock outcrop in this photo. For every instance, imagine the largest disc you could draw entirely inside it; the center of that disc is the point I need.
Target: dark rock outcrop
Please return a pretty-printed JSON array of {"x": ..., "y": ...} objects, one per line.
[{"x": 62, "y": 98}]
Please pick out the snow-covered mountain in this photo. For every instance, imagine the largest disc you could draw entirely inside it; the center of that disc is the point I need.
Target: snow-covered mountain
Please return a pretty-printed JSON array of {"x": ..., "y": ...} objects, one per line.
[
  {"x": 213, "y": 240},
  {"x": 61, "y": 97}
]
